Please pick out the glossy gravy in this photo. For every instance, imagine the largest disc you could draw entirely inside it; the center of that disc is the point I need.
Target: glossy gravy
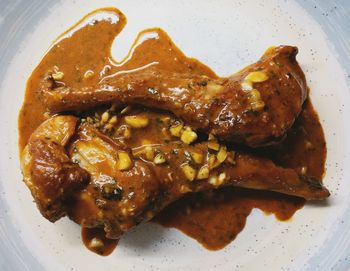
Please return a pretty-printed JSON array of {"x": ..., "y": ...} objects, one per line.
[{"x": 212, "y": 218}]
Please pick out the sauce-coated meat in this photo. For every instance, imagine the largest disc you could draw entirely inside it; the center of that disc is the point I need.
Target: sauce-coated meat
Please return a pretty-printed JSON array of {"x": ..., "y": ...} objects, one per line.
[
  {"x": 113, "y": 168},
  {"x": 255, "y": 106},
  {"x": 127, "y": 187}
]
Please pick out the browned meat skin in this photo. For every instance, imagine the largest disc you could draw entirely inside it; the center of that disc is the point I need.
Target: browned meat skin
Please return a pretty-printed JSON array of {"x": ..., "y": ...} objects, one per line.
[
  {"x": 48, "y": 171},
  {"x": 119, "y": 200},
  {"x": 219, "y": 106}
]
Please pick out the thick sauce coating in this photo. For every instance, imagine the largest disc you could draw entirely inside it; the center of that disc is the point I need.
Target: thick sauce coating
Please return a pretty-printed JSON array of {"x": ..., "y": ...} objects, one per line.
[
  {"x": 83, "y": 56},
  {"x": 214, "y": 219}
]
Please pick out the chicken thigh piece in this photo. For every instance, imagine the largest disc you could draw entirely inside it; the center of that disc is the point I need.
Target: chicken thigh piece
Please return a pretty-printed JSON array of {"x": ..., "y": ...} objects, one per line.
[
  {"x": 130, "y": 187},
  {"x": 255, "y": 106}
]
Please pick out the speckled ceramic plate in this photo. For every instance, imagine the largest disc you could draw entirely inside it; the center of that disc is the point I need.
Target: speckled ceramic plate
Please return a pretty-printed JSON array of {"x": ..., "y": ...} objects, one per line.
[{"x": 226, "y": 35}]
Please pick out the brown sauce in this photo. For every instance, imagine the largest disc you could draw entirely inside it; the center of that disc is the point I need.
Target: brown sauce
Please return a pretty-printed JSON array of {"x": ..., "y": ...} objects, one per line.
[{"x": 215, "y": 218}]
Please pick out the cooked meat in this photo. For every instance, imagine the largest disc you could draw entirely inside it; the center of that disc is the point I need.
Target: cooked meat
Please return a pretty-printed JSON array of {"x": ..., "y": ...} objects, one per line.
[
  {"x": 127, "y": 188},
  {"x": 255, "y": 106},
  {"x": 48, "y": 171},
  {"x": 102, "y": 182}
]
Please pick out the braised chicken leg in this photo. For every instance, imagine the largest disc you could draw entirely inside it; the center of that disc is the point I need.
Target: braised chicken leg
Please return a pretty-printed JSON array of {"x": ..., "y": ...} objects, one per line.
[
  {"x": 125, "y": 191},
  {"x": 255, "y": 106},
  {"x": 100, "y": 182}
]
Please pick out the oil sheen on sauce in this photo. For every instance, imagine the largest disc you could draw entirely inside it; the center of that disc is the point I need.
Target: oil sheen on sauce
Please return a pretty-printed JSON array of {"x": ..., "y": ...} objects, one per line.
[{"x": 212, "y": 218}]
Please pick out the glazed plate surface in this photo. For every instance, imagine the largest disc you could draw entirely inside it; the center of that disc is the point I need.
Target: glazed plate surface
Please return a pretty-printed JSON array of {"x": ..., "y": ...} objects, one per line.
[{"x": 225, "y": 35}]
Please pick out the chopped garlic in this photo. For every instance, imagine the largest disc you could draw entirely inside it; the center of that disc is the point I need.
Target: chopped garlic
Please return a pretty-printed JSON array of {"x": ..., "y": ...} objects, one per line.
[
  {"x": 197, "y": 157},
  {"x": 113, "y": 120},
  {"x": 222, "y": 154},
  {"x": 189, "y": 172},
  {"x": 137, "y": 121},
  {"x": 124, "y": 161},
  {"x": 58, "y": 75},
  {"x": 159, "y": 159},
  {"x": 176, "y": 129},
  {"x": 255, "y": 100},
  {"x": 211, "y": 161},
  {"x": 203, "y": 173},
  {"x": 149, "y": 153},
  {"x": 256, "y": 77},
  {"x": 213, "y": 145},
  {"x": 188, "y": 136},
  {"x": 105, "y": 117}
]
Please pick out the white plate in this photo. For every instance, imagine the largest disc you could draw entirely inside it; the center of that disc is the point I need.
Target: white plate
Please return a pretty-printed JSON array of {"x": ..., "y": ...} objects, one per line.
[{"x": 226, "y": 35}]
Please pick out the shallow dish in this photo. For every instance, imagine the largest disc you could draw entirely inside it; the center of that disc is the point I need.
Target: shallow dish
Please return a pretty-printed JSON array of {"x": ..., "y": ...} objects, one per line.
[{"x": 225, "y": 36}]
